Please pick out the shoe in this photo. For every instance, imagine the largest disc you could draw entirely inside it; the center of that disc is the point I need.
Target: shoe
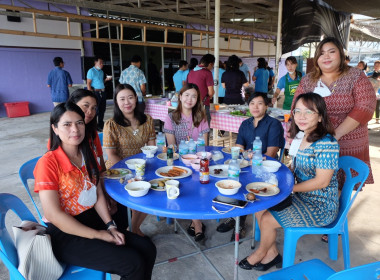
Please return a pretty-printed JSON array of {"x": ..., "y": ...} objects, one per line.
[
  {"x": 227, "y": 225},
  {"x": 200, "y": 235},
  {"x": 325, "y": 238},
  {"x": 244, "y": 264},
  {"x": 241, "y": 233},
  {"x": 191, "y": 229},
  {"x": 277, "y": 261}
]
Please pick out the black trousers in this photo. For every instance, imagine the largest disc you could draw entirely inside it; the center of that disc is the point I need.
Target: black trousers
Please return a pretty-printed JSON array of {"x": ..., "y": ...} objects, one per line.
[
  {"x": 134, "y": 260},
  {"x": 101, "y": 109}
]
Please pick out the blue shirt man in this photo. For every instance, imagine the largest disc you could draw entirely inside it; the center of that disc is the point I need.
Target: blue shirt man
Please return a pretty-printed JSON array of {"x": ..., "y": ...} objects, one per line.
[
  {"x": 179, "y": 78},
  {"x": 59, "y": 81},
  {"x": 135, "y": 77}
]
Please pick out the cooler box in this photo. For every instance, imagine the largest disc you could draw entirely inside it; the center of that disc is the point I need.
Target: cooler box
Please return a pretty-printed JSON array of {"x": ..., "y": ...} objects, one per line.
[{"x": 17, "y": 109}]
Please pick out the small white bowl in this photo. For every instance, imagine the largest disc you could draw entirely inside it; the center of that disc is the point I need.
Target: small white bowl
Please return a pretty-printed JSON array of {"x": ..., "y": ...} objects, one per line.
[
  {"x": 172, "y": 183},
  {"x": 149, "y": 151},
  {"x": 271, "y": 165},
  {"x": 131, "y": 162},
  {"x": 228, "y": 187},
  {"x": 188, "y": 158},
  {"x": 208, "y": 154},
  {"x": 195, "y": 164},
  {"x": 137, "y": 188}
]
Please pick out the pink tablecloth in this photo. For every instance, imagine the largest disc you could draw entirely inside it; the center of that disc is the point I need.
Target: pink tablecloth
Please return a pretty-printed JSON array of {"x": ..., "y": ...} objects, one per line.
[
  {"x": 230, "y": 123},
  {"x": 156, "y": 111}
]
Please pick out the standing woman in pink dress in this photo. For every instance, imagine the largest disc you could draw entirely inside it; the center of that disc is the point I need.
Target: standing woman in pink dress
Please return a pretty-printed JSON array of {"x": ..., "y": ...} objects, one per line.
[{"x": 349, "y": 97}]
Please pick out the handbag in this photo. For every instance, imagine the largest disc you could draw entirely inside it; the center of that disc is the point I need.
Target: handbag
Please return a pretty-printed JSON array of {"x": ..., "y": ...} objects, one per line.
[
  {"x": 35, "y": 253},
  {"x": 283, "y": 204}
]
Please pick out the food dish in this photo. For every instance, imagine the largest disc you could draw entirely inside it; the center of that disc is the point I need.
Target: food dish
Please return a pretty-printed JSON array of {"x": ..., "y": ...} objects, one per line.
[
  {"x": 158, "y": 184},
  {"x": 162, "y": 156},
  {"x": 137, "y": 188},
  {"x": 228, "y": 187},
  {"x": 174, "y": 172},
  {"x": 188, "y": 158},
  {"x": 271, "y": 165},
  {"x": 131, "y": 162},
  {"x": 262, "y": 189},
  {"x": 117, "y": 173},
  {"x": 226, "y": 150},
  {"x": 222, "y": 168},
  {"x": 149, "y": 151},
  {"x": 243, "y": 163}
]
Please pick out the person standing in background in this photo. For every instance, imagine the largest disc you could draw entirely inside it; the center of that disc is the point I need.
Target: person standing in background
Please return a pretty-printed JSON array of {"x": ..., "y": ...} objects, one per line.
[
  {"x": 261, "y": 76},
  {"x": 135, "y": 77},
  {"x": 95, "y": 82},
  {"x": 59, "y": 82},
  {"x": 244, "y": 68},
  {"x": 179, "y": 78},
  {"x": 202, "y": 77},
  {"x": 221, "y": 90},
  {"x": 193, "y": 63}
]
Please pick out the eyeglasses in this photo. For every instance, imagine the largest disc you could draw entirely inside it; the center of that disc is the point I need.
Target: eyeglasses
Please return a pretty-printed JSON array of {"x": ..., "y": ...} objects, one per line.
[{"x": 306, "y": 113}]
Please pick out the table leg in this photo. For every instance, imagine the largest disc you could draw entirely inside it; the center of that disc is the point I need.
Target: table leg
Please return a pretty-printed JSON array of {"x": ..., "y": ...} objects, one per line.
[
  {"x": 237, "y": 225},
  {"x": 230, "y": 138},
  {"x": 129, "y": 219},
  {"x": 253, "y": 231}
]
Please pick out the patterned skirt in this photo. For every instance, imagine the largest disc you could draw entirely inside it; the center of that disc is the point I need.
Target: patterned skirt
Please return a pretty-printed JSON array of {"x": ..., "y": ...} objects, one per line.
[{"x": 303, "y": 214}]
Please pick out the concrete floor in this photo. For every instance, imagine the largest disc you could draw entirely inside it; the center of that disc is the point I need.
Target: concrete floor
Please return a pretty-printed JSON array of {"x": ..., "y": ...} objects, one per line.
[{"x": 22, "y": 139}]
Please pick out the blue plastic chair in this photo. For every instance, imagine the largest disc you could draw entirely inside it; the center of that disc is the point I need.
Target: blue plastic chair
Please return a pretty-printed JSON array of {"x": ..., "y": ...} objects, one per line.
[
  {"x": 26, "y": 172},
  {"x": 101, "y": 137},
  {"x": 318, "y": 270},
  {"x": 340, "y": 225},
  {"x": 8, "y": 252}
]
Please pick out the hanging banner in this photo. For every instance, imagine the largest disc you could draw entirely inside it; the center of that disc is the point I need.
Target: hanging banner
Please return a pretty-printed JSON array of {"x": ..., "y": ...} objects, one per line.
[{"x": 305, "y": 21}]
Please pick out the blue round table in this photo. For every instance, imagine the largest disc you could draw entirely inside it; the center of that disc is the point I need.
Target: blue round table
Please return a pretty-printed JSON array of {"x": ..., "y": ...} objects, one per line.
[{"x": 195, "y": 199}]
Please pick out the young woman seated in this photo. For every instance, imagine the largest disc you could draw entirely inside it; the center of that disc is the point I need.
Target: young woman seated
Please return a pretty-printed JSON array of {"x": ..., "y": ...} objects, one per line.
[
  {"x": 75, "y": 211},
  {"x": 188, "y": 121},
  {"x": 271, "y": 135},
  {"x": 315, "y": 199},
  {"x": 126, "y": 133}
]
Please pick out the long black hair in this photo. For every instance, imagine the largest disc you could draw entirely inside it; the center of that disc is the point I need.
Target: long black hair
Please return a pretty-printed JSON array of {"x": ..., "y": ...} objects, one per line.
[
  {"x": 232, "y": 63},
  {"x": 77, "y": 96},
  {"x": 118, "y": 115},
  {"x": 84, "y": 146}
]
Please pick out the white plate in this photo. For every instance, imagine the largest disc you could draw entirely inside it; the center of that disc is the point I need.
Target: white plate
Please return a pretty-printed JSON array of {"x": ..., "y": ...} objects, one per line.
[
  {"x": 159, "y": 189},
  {"x": 226, "y": 150},
  {"x": 122, "y": 173},
  {"x": 167, "y": 168},
  {"x": 243, "y": 163},
  {"x": 271, "y": 189},
  {"x": 162, "y": 156},
  {"x": 223, "y": 174},
  {"x": 223, "y": 111}
]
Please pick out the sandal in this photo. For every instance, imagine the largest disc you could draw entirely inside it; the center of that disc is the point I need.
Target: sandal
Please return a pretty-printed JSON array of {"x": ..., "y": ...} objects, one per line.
[
  {"x": 191, "y": 230},
  {"x": 325, "y": 238},
  {"x": 200, "y": 235}
]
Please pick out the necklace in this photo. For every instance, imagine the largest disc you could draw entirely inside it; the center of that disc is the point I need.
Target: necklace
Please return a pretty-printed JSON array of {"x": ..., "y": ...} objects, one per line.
[{"x": 135, "y": 132}]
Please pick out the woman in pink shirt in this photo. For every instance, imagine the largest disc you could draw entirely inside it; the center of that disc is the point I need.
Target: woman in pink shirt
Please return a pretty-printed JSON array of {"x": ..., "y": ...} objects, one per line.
[{"x": 188, "y": 121}]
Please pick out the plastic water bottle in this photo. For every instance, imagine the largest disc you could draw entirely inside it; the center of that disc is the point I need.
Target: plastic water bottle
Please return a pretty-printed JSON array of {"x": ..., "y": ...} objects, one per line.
[
  {"x": 233, "y": 170},
  {"x": 160, "y": 141},
  {"x": 257, "y": 159},
  {"x": 192, "y": 146},
  {"x": 183, "y": 148},
  {"x": 201, "y": 143}
]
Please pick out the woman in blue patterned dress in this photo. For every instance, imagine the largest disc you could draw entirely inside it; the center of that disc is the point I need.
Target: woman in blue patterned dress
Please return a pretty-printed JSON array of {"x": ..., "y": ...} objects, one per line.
[{"x": 315, "y": 199}]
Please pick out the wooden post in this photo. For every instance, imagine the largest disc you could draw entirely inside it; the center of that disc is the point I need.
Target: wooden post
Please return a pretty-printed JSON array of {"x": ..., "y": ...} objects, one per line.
[
  {"x": 166, "y": 36},
  {"x": 184, "y": 38},
  {"x": 97, "y": 29},
  {"x": 68, "y": 26},
  {"x": 200, "y": 40},
  {"x": 144, "y": 35},
  {"x": 121, "y": 32},
  {"x": 34, "y": 23},
  {"x": 229, "y": 41}
]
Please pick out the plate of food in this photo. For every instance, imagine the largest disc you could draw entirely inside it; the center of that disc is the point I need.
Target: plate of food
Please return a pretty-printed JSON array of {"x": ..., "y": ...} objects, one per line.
[
  {"x": 219, "y": 171},
  {"x": 158, "y": 184},
  {"x": 174, "y": 172},
  {"x": 262, "y": 189},
  {"x": 162, "y": 156},
  {"x": 117, "y": 173},
  {"x": 226, "y": 150},
  {"x": 243, "y": 163}
]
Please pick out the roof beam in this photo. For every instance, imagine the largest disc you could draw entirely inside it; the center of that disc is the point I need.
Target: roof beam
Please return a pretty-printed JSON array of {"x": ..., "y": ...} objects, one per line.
[{"x": 143, "y": 12}]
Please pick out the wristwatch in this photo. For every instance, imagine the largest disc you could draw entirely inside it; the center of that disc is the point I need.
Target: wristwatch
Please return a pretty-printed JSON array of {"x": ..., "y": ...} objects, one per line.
[{"x": 111, "y": 224}]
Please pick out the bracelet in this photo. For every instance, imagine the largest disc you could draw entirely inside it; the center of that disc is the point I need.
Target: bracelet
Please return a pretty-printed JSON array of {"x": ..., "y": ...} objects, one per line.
[{"x": 111, "y": 224}]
